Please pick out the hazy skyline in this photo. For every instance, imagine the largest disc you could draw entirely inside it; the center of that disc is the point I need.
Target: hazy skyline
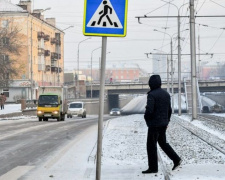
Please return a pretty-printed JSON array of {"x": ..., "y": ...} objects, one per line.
[{"x": 140, "y": 38}]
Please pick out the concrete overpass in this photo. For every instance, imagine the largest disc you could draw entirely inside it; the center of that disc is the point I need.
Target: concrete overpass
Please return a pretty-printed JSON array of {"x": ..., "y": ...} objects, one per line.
[{"x": 141, "y": 88}]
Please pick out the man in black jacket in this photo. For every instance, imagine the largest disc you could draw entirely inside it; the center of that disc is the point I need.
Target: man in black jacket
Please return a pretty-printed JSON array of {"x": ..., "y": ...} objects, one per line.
[{"x": 157, "y": 116}]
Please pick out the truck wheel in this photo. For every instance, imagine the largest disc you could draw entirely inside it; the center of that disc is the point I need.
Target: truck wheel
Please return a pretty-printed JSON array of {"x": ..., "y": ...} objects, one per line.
[
  {"x": 40, "y": 119},
  {"x": 68, "y": 116}
]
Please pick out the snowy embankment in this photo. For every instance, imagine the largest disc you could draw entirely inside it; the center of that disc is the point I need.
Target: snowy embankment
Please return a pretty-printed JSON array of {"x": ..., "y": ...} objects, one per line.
[{"x": 136, "y": 105}]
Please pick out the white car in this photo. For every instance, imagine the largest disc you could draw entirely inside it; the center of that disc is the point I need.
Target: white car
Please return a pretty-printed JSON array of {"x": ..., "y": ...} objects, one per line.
[{"x": 76, "y": 108}]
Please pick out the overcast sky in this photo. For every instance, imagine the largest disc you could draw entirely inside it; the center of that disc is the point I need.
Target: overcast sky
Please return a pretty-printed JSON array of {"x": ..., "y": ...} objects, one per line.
[{"x": 140, "y": 38}]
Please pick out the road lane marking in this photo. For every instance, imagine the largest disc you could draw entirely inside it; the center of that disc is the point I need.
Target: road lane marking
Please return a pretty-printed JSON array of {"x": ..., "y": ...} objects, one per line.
[
  {"x": 16, "y": 173},
  {"x": 24, "y": 130}
]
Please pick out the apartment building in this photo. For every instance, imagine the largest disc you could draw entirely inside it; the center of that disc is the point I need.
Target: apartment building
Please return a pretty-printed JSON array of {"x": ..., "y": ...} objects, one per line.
[{"x": 40, "y": 61}]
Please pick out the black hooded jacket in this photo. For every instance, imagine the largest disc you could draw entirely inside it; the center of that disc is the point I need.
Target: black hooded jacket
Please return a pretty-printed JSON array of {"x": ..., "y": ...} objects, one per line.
[{"x": 158, "y": 108}]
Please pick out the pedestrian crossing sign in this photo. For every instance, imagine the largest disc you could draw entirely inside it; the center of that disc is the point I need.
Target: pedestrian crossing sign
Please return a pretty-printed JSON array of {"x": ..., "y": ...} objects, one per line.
[{"x": 105, "y": 18}]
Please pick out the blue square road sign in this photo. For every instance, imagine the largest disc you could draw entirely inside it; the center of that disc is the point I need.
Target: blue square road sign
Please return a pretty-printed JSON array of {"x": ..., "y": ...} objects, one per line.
[{"x": 105, "y": 18}]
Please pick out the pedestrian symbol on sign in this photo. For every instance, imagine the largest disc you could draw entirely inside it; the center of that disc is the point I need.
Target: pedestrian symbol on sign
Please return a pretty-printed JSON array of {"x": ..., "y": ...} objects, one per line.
[{"x": 105, "y": 17}]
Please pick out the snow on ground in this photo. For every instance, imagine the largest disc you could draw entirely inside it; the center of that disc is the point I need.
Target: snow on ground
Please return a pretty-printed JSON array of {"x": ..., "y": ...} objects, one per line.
[
  {"x": 10, "y": 108},
  {"x": 124, "y": 145},
  {"x": 124, "y": 154},
  {"x": 207, "y": 126},
  {"x": 128, "y": 133}
]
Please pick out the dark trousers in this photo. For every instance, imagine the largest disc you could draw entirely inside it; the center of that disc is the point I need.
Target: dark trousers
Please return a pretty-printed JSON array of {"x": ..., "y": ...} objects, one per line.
[
  {"x": 158, "y": 134},
  {"x": 2, "y": 106}
]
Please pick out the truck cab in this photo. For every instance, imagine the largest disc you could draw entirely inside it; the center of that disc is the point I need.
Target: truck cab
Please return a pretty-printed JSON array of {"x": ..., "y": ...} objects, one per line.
[{"x": 52, "y": 104}]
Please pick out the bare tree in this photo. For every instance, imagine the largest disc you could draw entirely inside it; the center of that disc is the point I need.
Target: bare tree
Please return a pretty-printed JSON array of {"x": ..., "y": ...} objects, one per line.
[{"x": 9, "y": 52}]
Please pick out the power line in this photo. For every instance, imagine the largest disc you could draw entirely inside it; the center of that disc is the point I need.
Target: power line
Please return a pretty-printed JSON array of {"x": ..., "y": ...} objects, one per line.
[
  {"x": 218, "y": 4},
  {"x": 216, "y": 40},
  {"x": 200, "y": 7}
]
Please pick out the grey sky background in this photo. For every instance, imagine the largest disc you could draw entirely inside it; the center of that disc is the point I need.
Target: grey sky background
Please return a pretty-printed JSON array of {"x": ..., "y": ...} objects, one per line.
[{"x": 140, "y": 38}]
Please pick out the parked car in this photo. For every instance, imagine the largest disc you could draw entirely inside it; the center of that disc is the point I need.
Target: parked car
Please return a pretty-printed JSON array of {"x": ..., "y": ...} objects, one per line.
[
  {"x": 76, "y": 108},
  {"x": 115, "y": 112}
]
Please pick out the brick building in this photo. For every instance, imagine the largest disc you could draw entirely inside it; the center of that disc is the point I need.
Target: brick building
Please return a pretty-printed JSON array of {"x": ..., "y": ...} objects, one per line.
[{"x": 41, "y": 59}]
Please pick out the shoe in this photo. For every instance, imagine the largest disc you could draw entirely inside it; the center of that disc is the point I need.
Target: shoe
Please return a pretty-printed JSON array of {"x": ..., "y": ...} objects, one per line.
[
  {"x": 148, "y": 171},
  {"x": 176, "y": 165}
]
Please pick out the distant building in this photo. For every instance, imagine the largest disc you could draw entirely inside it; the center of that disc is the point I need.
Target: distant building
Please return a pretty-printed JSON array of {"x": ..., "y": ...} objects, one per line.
[
  {"x": 41, "y": 60},
  {"x": 115, "y": 73},
  {"x": 212, "y": 71}
]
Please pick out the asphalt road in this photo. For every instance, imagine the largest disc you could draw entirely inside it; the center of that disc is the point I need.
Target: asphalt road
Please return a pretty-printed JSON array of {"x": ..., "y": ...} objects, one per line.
[{"x": 28, "y": 142}]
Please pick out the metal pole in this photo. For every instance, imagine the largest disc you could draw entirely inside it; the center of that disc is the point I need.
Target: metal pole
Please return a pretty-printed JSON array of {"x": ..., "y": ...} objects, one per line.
[
  {"x": 179, "y": 68},
  {"x": 101, "y": 108},
  {"x": 168, "y": 84},
  {"x": 171, "y": 44},
  {"x": 78, "y": 87},
  {"x": 193, "y": 60},
  {"x": 91, "y": 76},
  {"x": 199, "y": 58}
]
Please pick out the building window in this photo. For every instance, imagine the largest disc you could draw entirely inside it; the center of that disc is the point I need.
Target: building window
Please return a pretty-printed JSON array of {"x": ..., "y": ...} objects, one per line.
[{"x": 6, "y": 92}]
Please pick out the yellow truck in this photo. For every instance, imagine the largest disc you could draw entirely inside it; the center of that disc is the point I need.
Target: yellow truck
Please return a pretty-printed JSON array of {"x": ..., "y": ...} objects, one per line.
[{"x": 52, "y": 103}]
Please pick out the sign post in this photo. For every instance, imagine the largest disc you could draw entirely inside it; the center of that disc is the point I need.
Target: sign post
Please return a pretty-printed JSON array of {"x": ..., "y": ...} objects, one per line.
[{"x": 105, "y": 18}]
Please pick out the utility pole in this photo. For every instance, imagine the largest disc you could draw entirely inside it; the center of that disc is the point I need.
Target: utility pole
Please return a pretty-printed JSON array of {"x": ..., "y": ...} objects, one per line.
[
  {"x": 179, "y": 66},
  {"x": 193, "y": 60},
  {"x": 199, "y": 57},
  {"x": 168, "y": 75},
  {"x": 172, "y": 72}
]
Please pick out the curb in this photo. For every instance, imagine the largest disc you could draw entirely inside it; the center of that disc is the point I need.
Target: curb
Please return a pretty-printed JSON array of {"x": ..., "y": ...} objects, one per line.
[{"x": 11, "y": 115}]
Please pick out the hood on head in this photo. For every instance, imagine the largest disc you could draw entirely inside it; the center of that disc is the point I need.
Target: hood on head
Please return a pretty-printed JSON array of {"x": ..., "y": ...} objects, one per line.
[{"x": 154, "y": 82}]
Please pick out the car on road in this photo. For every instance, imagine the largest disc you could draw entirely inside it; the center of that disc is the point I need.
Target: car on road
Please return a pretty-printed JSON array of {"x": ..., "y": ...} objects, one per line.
[
  {"x": 76, "y": 108},
  {"x": 115, "y": 112}
]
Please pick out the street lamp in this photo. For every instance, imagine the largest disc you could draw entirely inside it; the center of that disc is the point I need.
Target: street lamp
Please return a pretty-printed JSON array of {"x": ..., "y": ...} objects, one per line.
[
  {"x": 91, "y": 67},
  {"x": 78, "y": 88},
  {"x": 68, "y": 27},
  {"x": 179, "y": 55},
  {"x": 179, "y": 66},
  {"x": 171, "y": 49},
  {"x": 45, "y": 9},
  {"x": 71, "y": 26}
]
